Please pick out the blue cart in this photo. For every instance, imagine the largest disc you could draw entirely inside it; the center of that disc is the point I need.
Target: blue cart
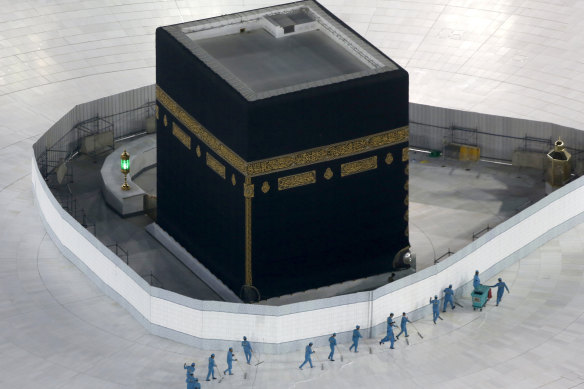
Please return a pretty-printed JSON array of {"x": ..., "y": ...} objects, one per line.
[{"x": 479, "y": 297}]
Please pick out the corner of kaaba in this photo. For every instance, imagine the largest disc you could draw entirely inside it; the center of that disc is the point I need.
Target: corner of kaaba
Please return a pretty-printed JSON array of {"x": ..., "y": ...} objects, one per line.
[{"x": 282, "y": 148}]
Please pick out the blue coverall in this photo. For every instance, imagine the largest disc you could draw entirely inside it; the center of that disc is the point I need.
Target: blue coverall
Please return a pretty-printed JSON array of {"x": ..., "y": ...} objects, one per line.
[
  {"x": 389, "y": 335},
  {"x": 435, "y": 310},
  {"x": 356, "y": 336},
  {"x": 247, "y": 350},
  {"x": 190, "y": 369},
  {"x": 192, "y": 383},
  {"x": 501, "y": 286},
  {"x": 307, "y": 356},
  {"x": 404, "y": 321},
  {"x": 211, "y": 371},
  {"x": 333, "y": 343},
  {"x": 476, "y": 281},
  {"x": 229, "y": 363},
  {"x": 448, "y": 298}
]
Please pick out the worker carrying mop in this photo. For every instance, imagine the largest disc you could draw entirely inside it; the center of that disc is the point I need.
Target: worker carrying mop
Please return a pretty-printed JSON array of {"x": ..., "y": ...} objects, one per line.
[
  {"x": 333, "y": 344},
  {"x": 435, "y": 308},
  {"x": 356, "y": 336},
  {"x": 448, "y": 298},
  {"x": 247, "y": 350},
  {"x": 307, "y": 356},
  {"x": 389, "y": 337},
  {"x": 230, "y": 359},
  {"x": 211, "y": 371},
  {"x": 404, "y": 321}
]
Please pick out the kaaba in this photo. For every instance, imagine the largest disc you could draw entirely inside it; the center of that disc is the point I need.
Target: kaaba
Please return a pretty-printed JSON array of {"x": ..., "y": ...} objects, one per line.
[{"x": 282, "y": 148}]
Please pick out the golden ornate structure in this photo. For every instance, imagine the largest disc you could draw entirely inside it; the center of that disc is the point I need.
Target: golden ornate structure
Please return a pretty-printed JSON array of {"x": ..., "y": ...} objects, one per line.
[
  {"x": 558, "y": 165},
  {"x": 248, "y": 190},
  {"x": 388, "y": 159},
  {"x": 198, "y": 151},
  {"x": 233, "y": 181},
  {"x": 265, "y": 187},
  {"x": 328, "y": 173},
  {"x": 283, "y": 162},
  {"x": 296, "y": 180},
  {"x": 405, "y": 154},
  {"x": 215, "y": 165},
  {"x": 182, "y": 136},
  {"x": 125, "y": 167},
  {"x": 359, "y": 166}
]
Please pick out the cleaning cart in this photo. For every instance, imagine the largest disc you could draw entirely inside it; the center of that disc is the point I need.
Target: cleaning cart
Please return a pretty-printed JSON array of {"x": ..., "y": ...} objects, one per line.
[{"x": 479, "y": 297}]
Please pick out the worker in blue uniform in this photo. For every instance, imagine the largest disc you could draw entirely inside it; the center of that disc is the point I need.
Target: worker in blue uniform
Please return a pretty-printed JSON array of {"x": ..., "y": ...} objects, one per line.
[
  {"x": 390, "y": 336},
  {"x": 212, "y": 365},
  {"x": 356, "y": 336},
  {"x": 501, "y": 286},
  {"x": 448, "y": 298},
  {"x": 247, "y": 350},
  {"x": 476, "y": 281},
  {"x": 333, "y": 344},
  {"x": 190, "y": 368},
  {"x": 435, "y": 308},
  {"x": 230, "y": 360},
  {"x": 404, "y": 321},
  {"x": 192, "y": 382},
  {"x": 307, "y": 356}
]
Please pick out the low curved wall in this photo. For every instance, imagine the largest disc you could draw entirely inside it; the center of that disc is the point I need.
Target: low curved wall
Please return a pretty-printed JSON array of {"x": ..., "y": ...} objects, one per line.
[
  {"x": 142, "y": 156},
  {"x": 215, "y": 325}
]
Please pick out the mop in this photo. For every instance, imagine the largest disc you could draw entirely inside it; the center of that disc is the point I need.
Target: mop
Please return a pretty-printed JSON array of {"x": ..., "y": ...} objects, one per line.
[
  {"x": 318, "y": 360},
  {"x": 258, "y": 361},
  {"x": 416, "y": 328},
  {"x": 220, "y": 375},
  {"x": 241, "y": 368}
]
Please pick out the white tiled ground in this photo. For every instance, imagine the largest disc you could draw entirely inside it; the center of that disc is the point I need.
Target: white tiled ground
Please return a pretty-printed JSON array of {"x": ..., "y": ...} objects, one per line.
[{"x": 520, "y": 58}]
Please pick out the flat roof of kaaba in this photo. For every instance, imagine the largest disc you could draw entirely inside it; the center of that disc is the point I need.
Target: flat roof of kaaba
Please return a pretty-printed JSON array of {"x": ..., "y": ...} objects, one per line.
[
  {"x": 265, "y": 63},
  {"x": 281, "y": 49}
]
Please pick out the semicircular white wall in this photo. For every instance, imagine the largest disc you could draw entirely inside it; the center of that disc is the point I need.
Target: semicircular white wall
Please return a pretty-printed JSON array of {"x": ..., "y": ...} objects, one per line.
[{"x": 212, "y": 325}]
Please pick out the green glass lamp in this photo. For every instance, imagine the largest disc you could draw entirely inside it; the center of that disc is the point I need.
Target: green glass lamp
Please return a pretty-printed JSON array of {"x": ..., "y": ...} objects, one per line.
[{"x": 125, "y": 164}]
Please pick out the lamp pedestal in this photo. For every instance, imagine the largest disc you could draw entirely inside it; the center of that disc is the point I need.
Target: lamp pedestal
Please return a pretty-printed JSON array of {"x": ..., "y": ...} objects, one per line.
[{"x": 125, "y": 186}]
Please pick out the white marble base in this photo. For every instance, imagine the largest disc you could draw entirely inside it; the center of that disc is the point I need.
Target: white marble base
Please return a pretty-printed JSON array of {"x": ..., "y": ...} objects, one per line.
[{"x": 142, "y": 156}]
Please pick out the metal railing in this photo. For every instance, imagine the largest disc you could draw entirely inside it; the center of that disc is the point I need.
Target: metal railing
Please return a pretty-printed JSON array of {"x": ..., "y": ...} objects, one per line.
[
  {"x": 63, "y": 140},
  {"x": 445, "y": 255},
  {"x": 476, "y": 235},
  {"x": 152, "y": 280},
  {"x": 120, "y": 252}
]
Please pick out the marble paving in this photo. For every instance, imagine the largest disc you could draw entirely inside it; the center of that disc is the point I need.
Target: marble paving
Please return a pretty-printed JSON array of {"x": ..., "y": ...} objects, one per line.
[{"x": 520, "y": 58}]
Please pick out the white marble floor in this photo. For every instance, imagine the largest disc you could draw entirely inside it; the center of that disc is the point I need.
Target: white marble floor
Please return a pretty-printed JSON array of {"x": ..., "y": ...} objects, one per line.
[
  {"x": 57, "y": 330},
  {"x": 521, "y": 58}
]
